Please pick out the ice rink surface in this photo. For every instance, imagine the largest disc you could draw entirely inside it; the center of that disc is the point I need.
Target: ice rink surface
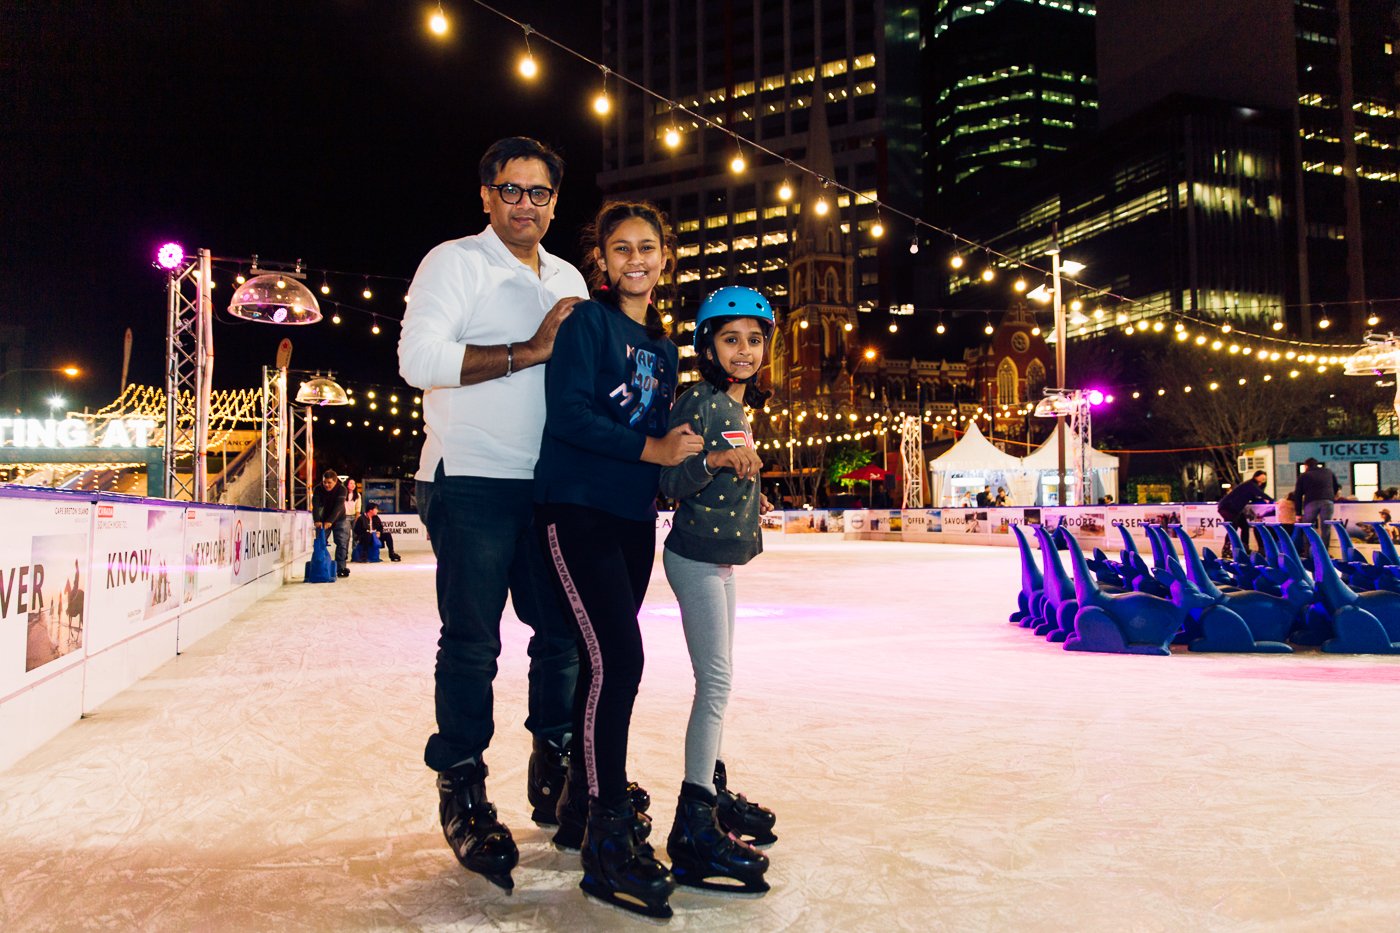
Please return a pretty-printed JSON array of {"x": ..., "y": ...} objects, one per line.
[{"x": 932, "y": 768}]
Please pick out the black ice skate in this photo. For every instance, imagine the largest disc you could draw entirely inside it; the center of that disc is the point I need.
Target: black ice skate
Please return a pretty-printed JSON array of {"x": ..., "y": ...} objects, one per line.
[
  {"x": 705, "y": 856},
  {"x": 747, "y": 821},
  {"x": 549, "y": 765},
  {"x": 618, "y": 868},
  {"x": 572, "y": 814},
  {"x": 479, "y": 840}
]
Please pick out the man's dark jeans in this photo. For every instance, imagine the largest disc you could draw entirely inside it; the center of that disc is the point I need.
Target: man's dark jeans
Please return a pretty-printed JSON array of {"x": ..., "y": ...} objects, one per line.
[
  {"x": 480, "y": 530},
  {"x": 340, "y": 532}
]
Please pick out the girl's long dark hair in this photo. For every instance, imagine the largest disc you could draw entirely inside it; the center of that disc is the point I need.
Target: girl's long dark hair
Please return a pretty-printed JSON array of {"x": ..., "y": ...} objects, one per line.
[
  {"x": 595, "y": 236},
  {"x": 713, "y": 373}
]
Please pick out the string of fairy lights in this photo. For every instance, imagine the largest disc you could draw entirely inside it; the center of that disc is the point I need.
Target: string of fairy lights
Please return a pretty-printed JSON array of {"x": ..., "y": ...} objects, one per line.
[{"x": 970, "y": 258}]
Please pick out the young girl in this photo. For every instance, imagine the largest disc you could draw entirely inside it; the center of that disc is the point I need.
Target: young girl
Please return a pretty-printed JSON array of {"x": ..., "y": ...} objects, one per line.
[
  {"x": 716, "y": 528},
  {"x": 608, "y": 392}
]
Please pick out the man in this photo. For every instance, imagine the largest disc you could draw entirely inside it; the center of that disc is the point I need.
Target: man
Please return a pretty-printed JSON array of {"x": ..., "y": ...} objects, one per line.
[
  {"x": 984, "y": 498},
  {"x": 370, "y": 526},
  {"x": 328, "y": 512},
  {"x": 1316, "y": 492},
  {"x": 1234, "y": 505},
  {"x": 481, "y": 319}
]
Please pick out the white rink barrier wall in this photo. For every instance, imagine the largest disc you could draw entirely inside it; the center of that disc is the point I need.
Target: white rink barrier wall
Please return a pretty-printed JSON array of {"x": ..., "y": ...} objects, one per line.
[
  {"x": 96, "y": 591},
  {"x": 1092, "y": 526}
]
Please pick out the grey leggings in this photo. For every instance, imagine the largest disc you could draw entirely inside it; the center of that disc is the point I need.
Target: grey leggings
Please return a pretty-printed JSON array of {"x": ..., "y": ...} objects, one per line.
[{"x": 706, "y": 596}]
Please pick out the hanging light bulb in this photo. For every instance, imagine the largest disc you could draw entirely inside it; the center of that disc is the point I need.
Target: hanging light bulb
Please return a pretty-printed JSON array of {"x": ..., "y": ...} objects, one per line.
[
  {"x": 821, "y": 207},
  {"x": 335, "y": 318},
  {"x": 438, "y": 22},
  {"x": 1225, "y": 328},
  {"x": 375, "y": 328},
  {"x": 528, "y": 68},
  {"x": 1277, "y": 325},
  {"x": 1324, "y": 322},
  {"x": 240, "y": 278},
  {"x": 848, "y": 327},
  {"x": 325, "y": 286},
  {"x": 1019, "y": 285},
  {"x": 894, "y": 328},
  {"x": 785, "y": 191},
  {"x": 367, "y": 294},
  {"x": 673, "y": 137},
  {"x": 1372, "y": 320},
  {"x": 877, "y": 229},
  {"x": 913, "y": 246},
  {"x": 940, "y": 329},
  {"x": 988, "y": 274},
  {"x": 956, "y": 261},
  {"x": 1035, "y": 331},
  {"x": 737, "y": 164},
  {"x": 601, "y": 104}
]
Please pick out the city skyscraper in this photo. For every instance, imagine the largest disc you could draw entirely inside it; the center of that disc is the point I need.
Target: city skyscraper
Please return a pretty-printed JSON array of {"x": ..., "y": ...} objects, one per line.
[
  {"x": 758, "y": 69},
  {"x": 1331, "y": 67},
  {"x": 1008, "y": 84}
]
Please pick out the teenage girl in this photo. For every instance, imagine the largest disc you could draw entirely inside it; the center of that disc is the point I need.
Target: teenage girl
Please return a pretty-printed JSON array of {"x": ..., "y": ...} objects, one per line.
[
  {"x": 716, "y": 528},
  {"x": 608, "y": 391}
]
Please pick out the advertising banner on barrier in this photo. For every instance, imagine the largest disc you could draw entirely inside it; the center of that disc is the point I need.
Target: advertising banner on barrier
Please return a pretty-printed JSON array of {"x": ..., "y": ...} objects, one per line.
[
  {"x": 244, "y": 562},
  {"x": 208, "y": 554},
  {"x": 1088, "y": 525},
  {"x": 1002, "y": 519},
  {"x": 1352, "y": 515},
  {"x": 408, "y": 531},
  {"x": 963, "y": 521},
  {"x": 43, "y": 589},
  {"x": 813, "y": 521},
  {"x": 772, "y": 522},
  {"x": 1203, "y": 523},
  {"x": 884, "y": 521},
  {"x": 1134, "y": 517},
  {"x": 922, "y": 524},
  {"x": 138, "y": 569}
]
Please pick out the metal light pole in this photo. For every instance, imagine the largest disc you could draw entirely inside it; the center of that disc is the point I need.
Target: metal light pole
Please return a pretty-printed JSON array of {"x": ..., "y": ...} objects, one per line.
[{"x": 1059, "y": 360}]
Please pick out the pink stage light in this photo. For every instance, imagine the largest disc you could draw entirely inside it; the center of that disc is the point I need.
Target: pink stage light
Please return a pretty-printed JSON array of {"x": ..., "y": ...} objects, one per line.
[
  {"x": 170, "y": 255},
  {"x": 1095, "y": 397}
]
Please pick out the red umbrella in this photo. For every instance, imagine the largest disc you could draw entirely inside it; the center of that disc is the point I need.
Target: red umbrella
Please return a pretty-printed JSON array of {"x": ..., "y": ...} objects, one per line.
[{"x": 869, "y": 473}]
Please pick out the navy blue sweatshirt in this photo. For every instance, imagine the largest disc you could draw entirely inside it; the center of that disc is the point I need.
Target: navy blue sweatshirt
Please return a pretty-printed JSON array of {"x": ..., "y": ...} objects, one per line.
[
  {"x": 1233, "y": 502},
  {"x": 608, "y": 387}
]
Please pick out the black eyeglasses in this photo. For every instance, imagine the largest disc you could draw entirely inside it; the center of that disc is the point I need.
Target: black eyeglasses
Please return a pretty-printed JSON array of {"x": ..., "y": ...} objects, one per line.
[{"x": 540, "y": 195}]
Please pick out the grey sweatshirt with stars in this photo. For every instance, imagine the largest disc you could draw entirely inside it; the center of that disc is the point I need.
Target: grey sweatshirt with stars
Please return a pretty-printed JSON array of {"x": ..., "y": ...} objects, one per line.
[{"x": 716, "y": 516}]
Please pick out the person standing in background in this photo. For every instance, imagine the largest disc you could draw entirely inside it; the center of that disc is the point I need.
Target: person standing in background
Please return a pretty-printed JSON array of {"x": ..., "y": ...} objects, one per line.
[{"x": 1316, "y": 492}]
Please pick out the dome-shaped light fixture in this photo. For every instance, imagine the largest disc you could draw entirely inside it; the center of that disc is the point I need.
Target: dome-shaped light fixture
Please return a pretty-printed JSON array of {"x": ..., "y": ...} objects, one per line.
[
  {"x": 275, "y": 299},
  {"x": 320, "y": 390}
]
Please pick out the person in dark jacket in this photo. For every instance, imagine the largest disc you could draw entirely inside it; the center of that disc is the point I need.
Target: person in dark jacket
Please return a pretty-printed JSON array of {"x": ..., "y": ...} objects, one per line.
[
  {"x": 370, "y": 525},
  {"x": 328, "y": 512},
  {"x": 1316, "y": 492},
  {"x": 608, "y": 391},
  {"x": 1234, "y": 505}
]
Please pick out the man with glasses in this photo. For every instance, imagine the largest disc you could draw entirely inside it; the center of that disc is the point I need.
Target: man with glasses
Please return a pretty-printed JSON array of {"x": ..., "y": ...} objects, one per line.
[{"x": 482, "y": 314}]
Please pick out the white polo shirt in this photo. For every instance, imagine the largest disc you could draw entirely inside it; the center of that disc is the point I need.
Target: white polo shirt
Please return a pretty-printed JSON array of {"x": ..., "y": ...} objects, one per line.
[{"x": 474, "y": 292}]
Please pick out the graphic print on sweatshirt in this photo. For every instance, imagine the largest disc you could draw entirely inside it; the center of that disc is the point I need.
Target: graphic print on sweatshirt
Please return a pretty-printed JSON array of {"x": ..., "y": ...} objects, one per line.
[
  {"x": 645, "y": 384},
  {"x": 737, "y": 438}
]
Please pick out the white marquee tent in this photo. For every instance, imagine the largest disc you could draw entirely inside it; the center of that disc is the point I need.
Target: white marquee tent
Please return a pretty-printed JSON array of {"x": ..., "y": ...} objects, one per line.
[
  {"x": 973, "y": 462},
  {"x": 1043, "y": 463}
]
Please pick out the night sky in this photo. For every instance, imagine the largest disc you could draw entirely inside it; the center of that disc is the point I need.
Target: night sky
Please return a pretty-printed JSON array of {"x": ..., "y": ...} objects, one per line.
[{"x": 339, "y": 132}]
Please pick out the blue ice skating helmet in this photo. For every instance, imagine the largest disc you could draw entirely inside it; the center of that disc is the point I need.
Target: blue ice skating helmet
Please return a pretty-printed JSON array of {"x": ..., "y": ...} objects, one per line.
[{"x": 730, "y": 302}]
